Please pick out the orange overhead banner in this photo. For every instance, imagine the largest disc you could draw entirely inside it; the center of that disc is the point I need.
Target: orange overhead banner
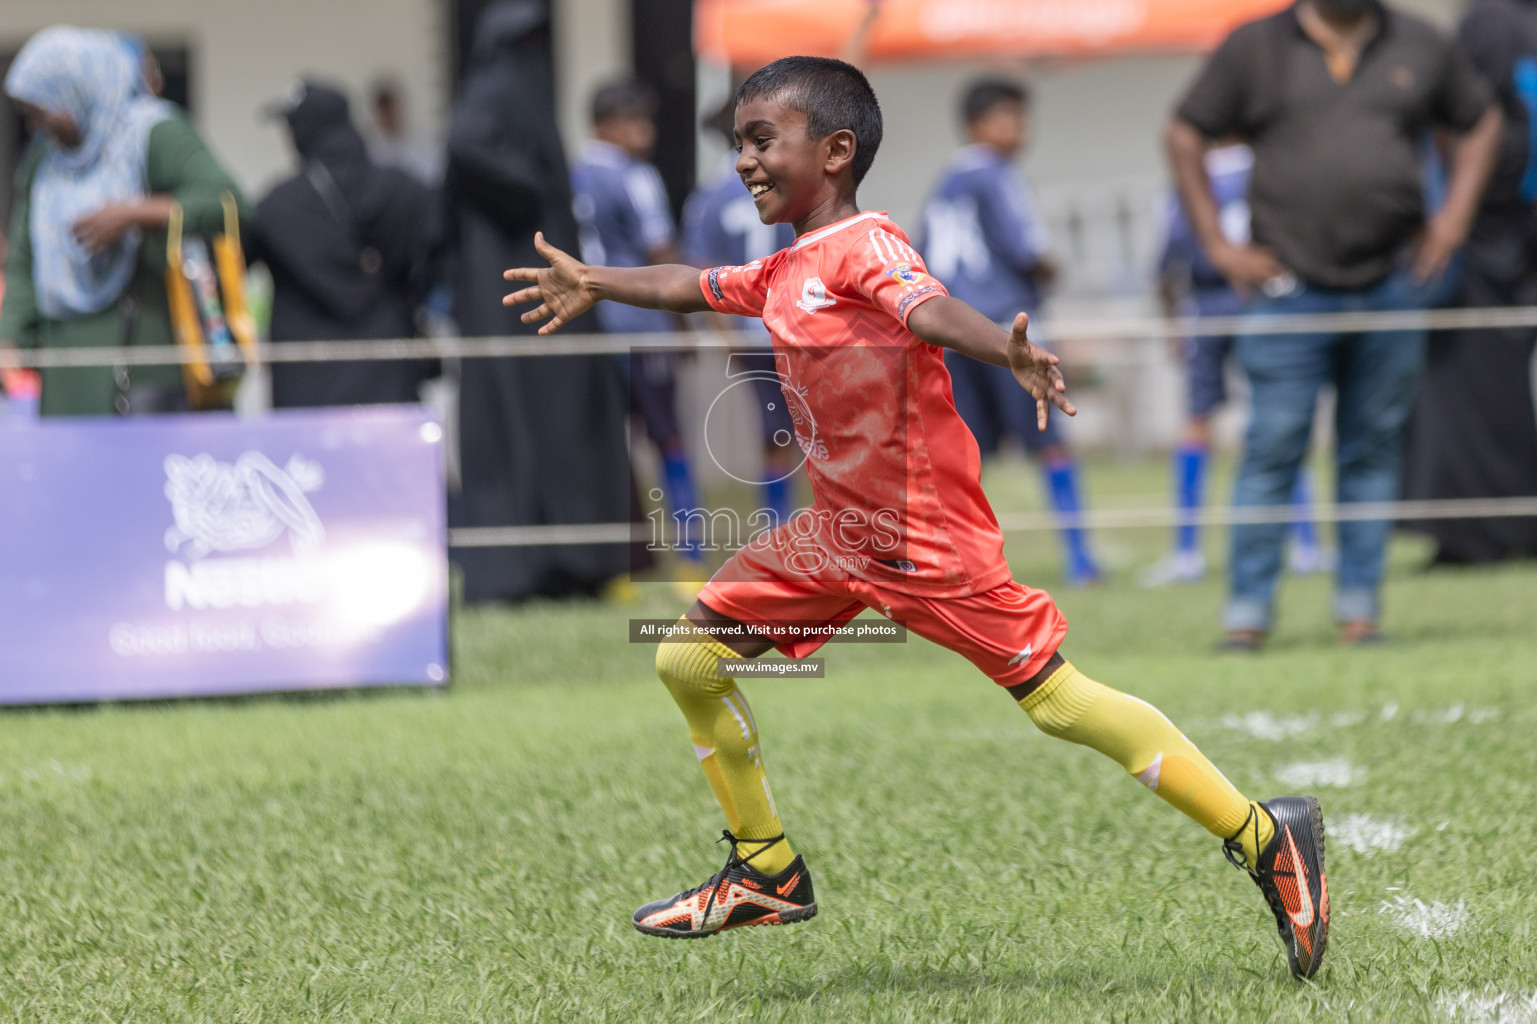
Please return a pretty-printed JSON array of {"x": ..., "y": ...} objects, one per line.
[{"x": 753, "y": 32}]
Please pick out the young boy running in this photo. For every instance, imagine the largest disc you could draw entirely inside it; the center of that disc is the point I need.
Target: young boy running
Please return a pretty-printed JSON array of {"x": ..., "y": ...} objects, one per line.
[{"x": 899, "y": 522}]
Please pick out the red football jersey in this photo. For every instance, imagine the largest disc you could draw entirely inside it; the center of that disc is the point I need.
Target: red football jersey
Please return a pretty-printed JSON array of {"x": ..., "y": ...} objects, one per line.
[{"x": 895, "y": 473}]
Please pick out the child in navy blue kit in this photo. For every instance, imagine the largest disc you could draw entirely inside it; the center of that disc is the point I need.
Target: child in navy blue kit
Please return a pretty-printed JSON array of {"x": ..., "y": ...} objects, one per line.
[{"x": 984, "y": 238}]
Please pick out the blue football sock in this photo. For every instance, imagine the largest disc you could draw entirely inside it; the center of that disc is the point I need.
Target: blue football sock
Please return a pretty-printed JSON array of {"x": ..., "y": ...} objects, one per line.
[
  {"x": 681, "y": 496},
  {"x": 776, "y": 497},
  {"x": 1304, "y": 532},
  {"x": 1062, "y": 482},
  {"x": 1190, "y": 474}
]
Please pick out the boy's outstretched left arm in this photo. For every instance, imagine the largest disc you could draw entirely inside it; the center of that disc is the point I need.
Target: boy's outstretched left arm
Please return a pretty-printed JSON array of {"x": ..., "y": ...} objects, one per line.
[{"x": 950, "y": 323}]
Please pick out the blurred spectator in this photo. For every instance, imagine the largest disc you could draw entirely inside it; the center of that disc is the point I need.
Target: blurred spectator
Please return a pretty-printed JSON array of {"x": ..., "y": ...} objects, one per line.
[
  {"x": 983, "y": 237},
  {"x": 346, "y": 241},
  {"x": 20, "y": 387},
  {"x": 1474, "y": 435},
  {"x": 622, "y": 209},
  {"x": 1188, "y": 285},
  {"x": 721, "y": 228},
  {"x": 1333, "y": 96},
  {"x": 153, "y": 79},
  {"x": 95, "y": 190},
  {"x": 391, "y": 143},
  {"x": 542, "y": 439}
]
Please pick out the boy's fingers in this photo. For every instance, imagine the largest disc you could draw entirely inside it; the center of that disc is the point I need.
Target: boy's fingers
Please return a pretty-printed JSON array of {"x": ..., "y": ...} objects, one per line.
[
  {"x": 555, "y": 324},
  {"x": 520, "y": 274},
  {"x": 1061, "y": 402},
  {"x": 536, "y": 314},
  {"x": 546, "y": 250},
  {"x": 522, "y": 295}
]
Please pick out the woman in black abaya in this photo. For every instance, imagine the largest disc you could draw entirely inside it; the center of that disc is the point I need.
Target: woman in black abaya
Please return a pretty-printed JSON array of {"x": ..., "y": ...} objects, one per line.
[
  {"x": 1475, "y": 434},
  {"x": 542, "y": 439},
  {"x": 346, "y": 241}
]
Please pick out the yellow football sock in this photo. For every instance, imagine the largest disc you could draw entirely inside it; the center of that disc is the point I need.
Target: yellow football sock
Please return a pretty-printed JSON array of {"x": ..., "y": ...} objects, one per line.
[
  {"x": 1140, "y": 739},
  {"x": 725, "y": 739}
]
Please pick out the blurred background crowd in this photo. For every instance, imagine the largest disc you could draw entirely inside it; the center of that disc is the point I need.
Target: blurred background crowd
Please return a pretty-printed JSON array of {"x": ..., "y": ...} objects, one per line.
[{"x": 383, "y": 162}]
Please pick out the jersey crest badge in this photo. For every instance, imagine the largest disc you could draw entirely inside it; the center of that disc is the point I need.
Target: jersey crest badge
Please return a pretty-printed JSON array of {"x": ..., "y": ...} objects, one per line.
[
  {"x": 814, "y": 296},
  {"x": 905, "y": 273}
]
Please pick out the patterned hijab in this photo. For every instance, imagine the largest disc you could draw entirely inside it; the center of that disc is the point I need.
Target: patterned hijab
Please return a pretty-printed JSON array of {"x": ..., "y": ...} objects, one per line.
[{"x": 91, "y": 76}]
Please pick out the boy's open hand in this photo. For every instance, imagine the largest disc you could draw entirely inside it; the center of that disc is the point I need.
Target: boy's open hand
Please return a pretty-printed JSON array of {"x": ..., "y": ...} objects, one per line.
[
  {"x": 1036, "y": 370},
  {"x": 561, "y": 290}
]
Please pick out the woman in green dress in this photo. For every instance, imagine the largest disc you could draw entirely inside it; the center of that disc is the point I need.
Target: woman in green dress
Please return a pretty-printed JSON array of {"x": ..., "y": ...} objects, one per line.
[{"x": 95, "y": 190}]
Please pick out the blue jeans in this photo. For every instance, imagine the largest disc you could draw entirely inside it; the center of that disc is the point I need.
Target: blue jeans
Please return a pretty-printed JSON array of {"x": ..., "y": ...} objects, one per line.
[{"x": 1375, "y": 376}]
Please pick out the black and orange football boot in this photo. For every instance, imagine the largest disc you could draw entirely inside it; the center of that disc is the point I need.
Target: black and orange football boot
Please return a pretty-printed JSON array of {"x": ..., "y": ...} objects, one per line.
[
  {"x": 735, "y": 896},
  {"x": 1291, "y": 875}
]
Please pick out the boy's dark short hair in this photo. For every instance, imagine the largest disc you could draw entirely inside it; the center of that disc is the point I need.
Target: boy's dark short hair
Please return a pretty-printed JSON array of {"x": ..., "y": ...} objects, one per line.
[
  {"x": 626, "y": 98},
  {"x": 832, "y": 94},
  {"x": 986, "y": 93}
]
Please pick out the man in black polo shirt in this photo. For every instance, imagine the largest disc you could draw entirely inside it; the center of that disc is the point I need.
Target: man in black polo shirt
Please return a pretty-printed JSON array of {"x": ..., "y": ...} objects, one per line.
[{"x": 1336, "y": 98}]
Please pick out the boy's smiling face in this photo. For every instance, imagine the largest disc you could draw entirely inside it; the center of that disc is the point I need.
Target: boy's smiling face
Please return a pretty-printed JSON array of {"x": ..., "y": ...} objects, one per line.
[{"x": 793, "y": 179}]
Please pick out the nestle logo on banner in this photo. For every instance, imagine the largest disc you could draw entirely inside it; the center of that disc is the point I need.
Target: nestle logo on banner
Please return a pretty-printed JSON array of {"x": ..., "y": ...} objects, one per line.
[{"x": 247, "y": 505}]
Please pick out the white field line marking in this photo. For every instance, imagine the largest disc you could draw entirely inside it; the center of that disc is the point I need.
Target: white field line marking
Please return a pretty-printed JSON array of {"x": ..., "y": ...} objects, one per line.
[
  {"x": 1456, "y": 713},
  {"x": 1334, "y": 772},
  {"x": 1433, "y": 920},
  {"x": 1263, "y": 725},
  {"x": 1267, "y": 725},
  {"x": 1490, "y": 1006},
  {"x": 68, "y": 772},
  {"x": 1366, "y": 835}
]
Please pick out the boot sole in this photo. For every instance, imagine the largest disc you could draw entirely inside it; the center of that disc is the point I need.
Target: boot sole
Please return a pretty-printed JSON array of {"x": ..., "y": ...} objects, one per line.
[{"x": 805, "y": 913}]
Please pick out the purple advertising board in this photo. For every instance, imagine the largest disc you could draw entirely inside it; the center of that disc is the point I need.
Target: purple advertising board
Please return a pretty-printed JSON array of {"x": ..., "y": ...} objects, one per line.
[{"x": 167, "y": 556}]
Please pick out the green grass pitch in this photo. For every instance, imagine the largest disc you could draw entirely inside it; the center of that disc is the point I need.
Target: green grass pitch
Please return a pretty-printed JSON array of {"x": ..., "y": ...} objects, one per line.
[{"x": 475, "y": 855}]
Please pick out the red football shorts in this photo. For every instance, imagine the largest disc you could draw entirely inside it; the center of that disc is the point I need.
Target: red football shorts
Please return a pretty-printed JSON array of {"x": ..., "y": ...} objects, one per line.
[{"x": 1009, "y": 632}]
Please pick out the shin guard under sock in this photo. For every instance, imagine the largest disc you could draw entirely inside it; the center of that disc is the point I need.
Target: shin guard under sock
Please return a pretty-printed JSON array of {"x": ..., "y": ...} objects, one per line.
[
  {"x": 1136, "y": 735},
  {"x": 725, "y": 739}
]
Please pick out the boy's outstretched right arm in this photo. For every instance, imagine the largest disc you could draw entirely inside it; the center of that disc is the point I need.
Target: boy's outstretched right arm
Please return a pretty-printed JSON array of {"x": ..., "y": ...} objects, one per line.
[{"x": 567, "y": 288}]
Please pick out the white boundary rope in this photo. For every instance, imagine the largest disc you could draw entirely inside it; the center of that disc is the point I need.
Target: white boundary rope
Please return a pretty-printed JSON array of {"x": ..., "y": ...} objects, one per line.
[
  {"x": 1027, "y": 522},
  {"x": 1062, "y": 332}
]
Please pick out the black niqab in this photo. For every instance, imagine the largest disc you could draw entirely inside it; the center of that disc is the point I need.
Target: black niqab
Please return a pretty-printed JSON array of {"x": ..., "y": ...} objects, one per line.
[{"x": 346, "y": 241}]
